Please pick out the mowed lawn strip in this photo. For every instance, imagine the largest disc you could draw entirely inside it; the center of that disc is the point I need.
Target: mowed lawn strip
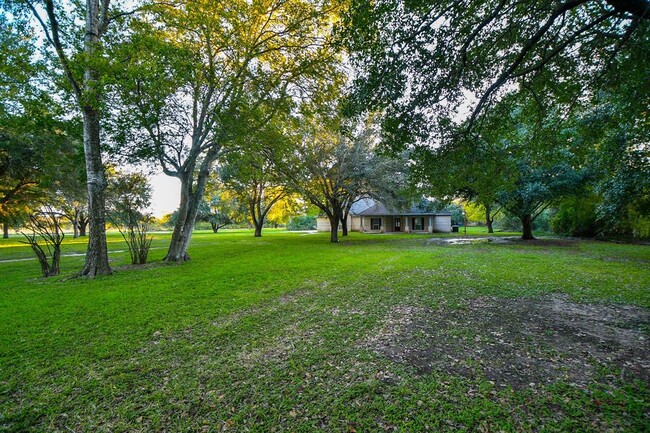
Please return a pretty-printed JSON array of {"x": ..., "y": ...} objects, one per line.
[{"x": 278, "y": 333}]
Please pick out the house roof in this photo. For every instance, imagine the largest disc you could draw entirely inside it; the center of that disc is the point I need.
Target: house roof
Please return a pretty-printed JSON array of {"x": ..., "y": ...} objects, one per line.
[
  {"x": 371, "y": 207},
  {"x": 361, "y": 205}
]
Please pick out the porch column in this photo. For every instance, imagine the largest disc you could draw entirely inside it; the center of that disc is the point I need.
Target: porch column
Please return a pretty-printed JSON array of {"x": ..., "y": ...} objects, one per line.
[
  {"x": 431, "y": 223},
  {"x": 406, "y": 225}
]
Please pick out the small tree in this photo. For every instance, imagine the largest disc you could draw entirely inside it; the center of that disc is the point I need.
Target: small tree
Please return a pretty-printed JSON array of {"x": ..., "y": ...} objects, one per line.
[
  {"x": 136, "y": 236},
  {"x": 128, "y": 195},
  {"x": 72, "y": 199},
  {"x": 284, "y": 209},
  {"x": 45, "y": 239},
  {"x": 222, "y": 208}
]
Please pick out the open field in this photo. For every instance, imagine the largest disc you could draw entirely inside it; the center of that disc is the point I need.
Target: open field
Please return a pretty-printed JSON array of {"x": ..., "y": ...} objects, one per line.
[{"x": 290, "y": 333}]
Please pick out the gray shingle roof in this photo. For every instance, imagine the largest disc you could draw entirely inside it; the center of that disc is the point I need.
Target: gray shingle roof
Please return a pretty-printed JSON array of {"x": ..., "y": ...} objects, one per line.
[{"x": 371, "y": 207}]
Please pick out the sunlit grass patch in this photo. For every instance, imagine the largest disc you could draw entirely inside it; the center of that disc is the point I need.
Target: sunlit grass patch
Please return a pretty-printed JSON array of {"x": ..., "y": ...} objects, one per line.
[{"x": 273, "y": 333}]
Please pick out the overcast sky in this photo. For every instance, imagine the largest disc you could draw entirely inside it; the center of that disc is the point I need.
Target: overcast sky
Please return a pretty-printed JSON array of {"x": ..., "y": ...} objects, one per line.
[{"x": 166, "y": 194}]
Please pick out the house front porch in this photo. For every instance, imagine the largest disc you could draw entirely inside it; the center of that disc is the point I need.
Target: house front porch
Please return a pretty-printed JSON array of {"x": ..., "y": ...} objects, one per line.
[{"x": 404, "y": 223}]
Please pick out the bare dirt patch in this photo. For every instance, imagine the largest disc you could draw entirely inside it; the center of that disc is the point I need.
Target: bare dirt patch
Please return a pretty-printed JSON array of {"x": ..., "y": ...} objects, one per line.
[
  {"x": 521, "y": 342},
  {"x": 545, "y": 242},
  {"x": 514, "y": 240}
]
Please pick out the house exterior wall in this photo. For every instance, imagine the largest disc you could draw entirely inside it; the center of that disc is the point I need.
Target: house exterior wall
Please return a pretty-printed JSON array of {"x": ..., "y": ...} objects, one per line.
[
  {"x": 355, "y": 223},
  {"x": 367, "y": 224},
  {"x": 442, "y": 223},
  {"x": 323, "y": 223},
  {"x": 432, "y": 223}
]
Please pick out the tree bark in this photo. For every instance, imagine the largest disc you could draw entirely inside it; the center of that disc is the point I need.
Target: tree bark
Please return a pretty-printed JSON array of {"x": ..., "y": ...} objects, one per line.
[
  {"x": 257, "y": 217},
  {"x": 177, "y": 251},
  {"x": 334, "y": 227},
  {"x": 56, "y": 259},
  {"x": 97, "y": 253},
  {"x": 527, "y": 227},
  {"x": 187, "y": 211},
  {"x": 75, "y": 224},
  {"x": 83, "y": 223},
  {"x": 489, "y": 219},
  {"x": 258, "y": 230},
  {"x": 42, "y": 260},
  {"x": 215, "y": 227},
  {"x": 89, "y": 100},
  {"x": 5, "y": 230},
  {"x": 344, "y": 226},
  {"x": 180, "y": 241}
]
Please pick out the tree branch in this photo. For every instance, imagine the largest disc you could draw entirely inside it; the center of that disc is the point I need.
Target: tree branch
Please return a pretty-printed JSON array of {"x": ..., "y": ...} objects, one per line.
[
  {"x": 638, "y": 8},
  {"x": 54, "y": 39},
  {"x": 530, "y": 44}
]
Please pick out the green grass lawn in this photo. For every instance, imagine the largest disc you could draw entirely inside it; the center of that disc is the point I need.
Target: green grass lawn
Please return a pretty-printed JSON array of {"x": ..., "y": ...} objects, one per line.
[{"x": 291, "y": 333}]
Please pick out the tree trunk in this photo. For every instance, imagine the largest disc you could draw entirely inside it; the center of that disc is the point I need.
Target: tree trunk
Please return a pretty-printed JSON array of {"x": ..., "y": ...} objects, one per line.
[
  {"x": 181, "y": 237},
  {"x": 488, "y": 219},
  {"x": 56, "y": 259},
  {"x": 42, "y": 259},
  {"x": 5, "y": 230},
  {"x": 97, "y": 254},
  {"x": 258, "y": 220},
  {"x": 75, "y": 224},
  {"x": 344, "y": 226},
  {"x": 257, "y": 216},
  {"x": 215, "y": 227},
  {"x": 334, "y": 227},
  {"x": 187, "y": 212},
  {"x": 83, "y": 223},
  {"x": 258, "y": 229},
  {"x": 527, "y": 227},
  {"x": 179, "y": 244},
  {"x": 177, "y": 251}
]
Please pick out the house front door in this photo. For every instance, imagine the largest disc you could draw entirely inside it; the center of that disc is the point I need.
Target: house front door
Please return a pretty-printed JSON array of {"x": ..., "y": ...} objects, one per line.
[{"x": 398, "y": 224}]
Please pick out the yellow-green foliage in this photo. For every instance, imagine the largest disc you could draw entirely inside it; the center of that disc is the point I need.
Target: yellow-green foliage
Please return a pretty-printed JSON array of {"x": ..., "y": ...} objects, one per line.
[{"x": 475, "y": 212}]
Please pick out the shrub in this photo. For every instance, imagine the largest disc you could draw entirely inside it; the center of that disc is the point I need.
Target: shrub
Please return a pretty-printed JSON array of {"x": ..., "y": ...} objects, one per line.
[
  {"x": 45, "y": 239},
  {"x": 507, "y": 222},
  {"x": 302, "y": 223},
  {"x": 136, "y": 236},
  {"x": 577, "y": 216}
]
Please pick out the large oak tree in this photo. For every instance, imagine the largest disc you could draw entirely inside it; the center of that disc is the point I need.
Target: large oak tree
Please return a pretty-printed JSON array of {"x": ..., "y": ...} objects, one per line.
[
  {"x": 206, "y": 72},
  {"x": 428, "y": 65},
  {"x": 38, "y": 141},
  {"x": 333, "y": 166},
  {"x": 74, "y": 34}
]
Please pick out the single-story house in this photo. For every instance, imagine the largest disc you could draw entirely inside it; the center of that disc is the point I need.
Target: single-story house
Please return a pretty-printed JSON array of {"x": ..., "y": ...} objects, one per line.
[{"x": 370, "y": 216}]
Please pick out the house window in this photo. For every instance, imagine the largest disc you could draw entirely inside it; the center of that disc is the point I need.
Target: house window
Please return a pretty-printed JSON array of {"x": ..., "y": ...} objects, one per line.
[
  {"x": 418, "y": 223},
  {"x": 375, "y": 223}
]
